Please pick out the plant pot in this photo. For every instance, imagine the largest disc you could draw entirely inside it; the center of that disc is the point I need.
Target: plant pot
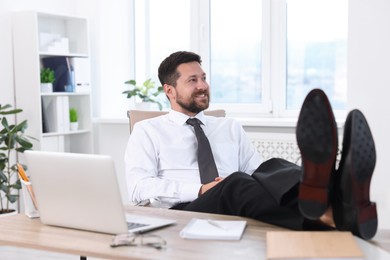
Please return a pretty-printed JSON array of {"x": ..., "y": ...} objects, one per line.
[
  {"x": 46, "y": 87},
  {"x": 74, "y": 126},
  {"x": 10, "y": 213}
]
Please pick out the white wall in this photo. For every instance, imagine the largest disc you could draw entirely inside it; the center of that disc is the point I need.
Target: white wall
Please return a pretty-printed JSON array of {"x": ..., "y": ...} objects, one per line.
[
  {"x": 368, "y": 75},
  {"x": 369, "y": 85}
]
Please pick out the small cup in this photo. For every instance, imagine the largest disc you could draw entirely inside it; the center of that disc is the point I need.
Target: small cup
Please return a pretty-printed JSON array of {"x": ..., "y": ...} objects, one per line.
[{"x": 30, "y": 208}]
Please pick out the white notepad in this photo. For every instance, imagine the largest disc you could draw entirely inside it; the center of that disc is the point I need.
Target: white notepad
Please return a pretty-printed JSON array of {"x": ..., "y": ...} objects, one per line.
[{"x": 214, "y": 229}]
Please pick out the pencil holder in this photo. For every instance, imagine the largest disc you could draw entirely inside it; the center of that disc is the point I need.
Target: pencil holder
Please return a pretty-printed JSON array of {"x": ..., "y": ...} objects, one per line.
[{"x": 30, "y": 208}]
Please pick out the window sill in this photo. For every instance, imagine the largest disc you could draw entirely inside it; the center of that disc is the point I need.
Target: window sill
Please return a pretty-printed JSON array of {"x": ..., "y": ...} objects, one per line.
[
  {"x": 246, "y": 122},
  {"x": 267, "y": 122}
]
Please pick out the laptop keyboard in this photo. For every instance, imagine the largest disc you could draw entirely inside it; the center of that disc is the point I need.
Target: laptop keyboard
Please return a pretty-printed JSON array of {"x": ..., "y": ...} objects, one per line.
[{"x": 133, "y": 225}]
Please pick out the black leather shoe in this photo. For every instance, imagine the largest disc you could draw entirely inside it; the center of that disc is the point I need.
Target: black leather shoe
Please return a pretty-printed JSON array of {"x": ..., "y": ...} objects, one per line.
[
  {"x": 317, "y": 140},
  {"x": 352, "y": 208}
]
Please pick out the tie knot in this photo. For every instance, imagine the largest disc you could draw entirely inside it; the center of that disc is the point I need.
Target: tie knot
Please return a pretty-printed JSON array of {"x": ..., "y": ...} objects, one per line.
[{"x": 193, "y": 121}]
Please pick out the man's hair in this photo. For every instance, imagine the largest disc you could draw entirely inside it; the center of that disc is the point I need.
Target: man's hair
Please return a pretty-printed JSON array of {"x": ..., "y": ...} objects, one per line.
[{"x": 167, "y": 72}]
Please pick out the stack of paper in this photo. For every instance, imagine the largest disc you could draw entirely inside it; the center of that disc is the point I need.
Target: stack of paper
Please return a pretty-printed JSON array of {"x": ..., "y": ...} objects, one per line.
[
  {"x": 312, "y": 245},
  {"x": 214, "y": 229}
]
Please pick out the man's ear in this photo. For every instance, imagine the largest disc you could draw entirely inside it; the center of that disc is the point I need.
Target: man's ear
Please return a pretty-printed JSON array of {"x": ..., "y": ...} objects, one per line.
[{"x": 169, "y": 91}]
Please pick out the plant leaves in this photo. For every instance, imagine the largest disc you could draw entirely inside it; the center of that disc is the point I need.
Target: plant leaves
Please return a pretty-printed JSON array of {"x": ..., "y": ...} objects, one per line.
[
  {"x": 12, "y": 139},
  {"x": 146, "y": 92},
  {"x": 12, "y": 197}
]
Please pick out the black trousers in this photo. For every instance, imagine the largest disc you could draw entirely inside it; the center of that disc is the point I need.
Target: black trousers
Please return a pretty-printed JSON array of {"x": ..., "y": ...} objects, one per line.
[{"x": 270, "y": 195}]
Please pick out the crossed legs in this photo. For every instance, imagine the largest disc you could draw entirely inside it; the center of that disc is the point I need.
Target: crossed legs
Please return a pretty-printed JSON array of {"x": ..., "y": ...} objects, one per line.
[
  {"x": 341, "y": 194},
  {"x": 316, "y": 196}
]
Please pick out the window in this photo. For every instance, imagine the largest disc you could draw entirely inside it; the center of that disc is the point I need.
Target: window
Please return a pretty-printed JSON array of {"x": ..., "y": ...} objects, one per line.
[
  {"x": 316, "y": 50},
  {"x": 160, "y": 30},
  {"x": 235, "y": 51},
  {"x": 261, "y": 57}
]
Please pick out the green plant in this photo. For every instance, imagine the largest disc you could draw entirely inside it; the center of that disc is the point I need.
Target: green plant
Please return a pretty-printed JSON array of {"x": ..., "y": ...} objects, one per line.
[
  {"x": 47, "y": 75},
  {"x": 147, "y": 92},
  {"x": 12, "y": 141},
  {"x": 73, "y": 117}
]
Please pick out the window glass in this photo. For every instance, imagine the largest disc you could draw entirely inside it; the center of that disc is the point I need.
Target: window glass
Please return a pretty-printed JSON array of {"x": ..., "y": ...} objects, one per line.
[
  {"x": 235, "y": 51},
  {"x": 162, "y": 27},
  {"x": 254, "y": 64},
  {"x": 316, "y": 50}
]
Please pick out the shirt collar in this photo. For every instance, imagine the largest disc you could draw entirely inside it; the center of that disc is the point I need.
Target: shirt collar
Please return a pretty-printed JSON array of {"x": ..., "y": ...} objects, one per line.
[{"x": 181, "y": 118}]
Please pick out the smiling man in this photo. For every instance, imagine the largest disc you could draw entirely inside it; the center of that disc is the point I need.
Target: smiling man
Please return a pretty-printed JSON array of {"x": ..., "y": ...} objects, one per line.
[
  {"x": 190, "y": 93},
  {"x": 168, "y": 159}
]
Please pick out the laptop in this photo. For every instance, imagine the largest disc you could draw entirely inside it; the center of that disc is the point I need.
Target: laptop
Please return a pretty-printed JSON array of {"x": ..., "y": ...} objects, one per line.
[{"x": 81, "y": 191}]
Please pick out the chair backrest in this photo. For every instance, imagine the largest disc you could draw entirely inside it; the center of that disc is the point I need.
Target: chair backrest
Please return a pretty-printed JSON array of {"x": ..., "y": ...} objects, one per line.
[{"x": 139, "y": 115}]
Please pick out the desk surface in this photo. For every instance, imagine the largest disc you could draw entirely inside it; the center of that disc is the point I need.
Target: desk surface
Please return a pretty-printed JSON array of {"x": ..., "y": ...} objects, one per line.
[{"x": 20, "y": 231}]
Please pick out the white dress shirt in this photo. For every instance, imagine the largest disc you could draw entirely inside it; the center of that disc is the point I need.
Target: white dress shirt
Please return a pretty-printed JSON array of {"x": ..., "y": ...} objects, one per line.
[{"x": 161, "y": 160}]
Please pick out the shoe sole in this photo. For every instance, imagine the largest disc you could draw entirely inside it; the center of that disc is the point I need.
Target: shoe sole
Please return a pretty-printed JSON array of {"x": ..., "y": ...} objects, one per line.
[
  {"x": 353, "y": 210},
  {"x": 317, "y": 140}
]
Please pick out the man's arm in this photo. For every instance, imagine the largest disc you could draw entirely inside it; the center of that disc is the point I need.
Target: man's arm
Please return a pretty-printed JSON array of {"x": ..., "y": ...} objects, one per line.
[{"x": 142, "y": 171}]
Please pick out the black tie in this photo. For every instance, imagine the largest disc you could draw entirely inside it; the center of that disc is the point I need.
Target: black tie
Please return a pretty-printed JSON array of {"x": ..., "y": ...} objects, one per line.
[{"x": 207, "y": 168}]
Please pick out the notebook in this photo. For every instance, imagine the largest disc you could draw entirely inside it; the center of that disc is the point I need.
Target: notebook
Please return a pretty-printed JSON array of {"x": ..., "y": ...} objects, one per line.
[
  {"x": 213, "y": 229},
  {"x": 81, "y": 191}
]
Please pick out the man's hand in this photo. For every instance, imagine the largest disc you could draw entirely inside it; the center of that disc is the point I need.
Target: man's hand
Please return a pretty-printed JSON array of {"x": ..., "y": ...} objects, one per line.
[{"x": 206, "y": 187}]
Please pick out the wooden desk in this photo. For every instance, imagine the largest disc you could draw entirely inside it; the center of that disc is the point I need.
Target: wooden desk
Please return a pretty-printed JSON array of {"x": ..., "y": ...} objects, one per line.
[{"x": 20, "y": 231}]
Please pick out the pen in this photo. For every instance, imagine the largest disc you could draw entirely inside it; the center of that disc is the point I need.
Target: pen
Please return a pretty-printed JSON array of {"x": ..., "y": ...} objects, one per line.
[{"x": 216, "y": 224}]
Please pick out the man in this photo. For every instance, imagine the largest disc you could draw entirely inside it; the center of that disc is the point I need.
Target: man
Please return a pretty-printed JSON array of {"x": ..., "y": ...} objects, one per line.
[{"x": 162, "y": 162}]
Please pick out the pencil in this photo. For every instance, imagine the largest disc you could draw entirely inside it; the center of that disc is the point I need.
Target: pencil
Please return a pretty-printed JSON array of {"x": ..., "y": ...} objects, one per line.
[
  {"x": 24, "y": 177},
  {"x": 21, "y": 172}
]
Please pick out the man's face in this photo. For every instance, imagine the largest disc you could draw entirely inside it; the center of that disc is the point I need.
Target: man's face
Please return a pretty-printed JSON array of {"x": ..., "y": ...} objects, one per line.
[{"x": 192, "y": 93}]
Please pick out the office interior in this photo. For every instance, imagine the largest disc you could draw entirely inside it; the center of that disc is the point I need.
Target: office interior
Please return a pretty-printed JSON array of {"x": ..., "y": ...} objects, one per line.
[{"x": 368, "y": 77}]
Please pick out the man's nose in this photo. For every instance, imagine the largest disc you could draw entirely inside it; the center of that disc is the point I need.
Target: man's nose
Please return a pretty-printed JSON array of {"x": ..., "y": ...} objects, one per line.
[{"x": 203, "y": 85}]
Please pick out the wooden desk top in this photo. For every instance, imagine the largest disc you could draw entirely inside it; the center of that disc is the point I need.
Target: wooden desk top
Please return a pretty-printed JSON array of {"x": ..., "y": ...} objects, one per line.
[{"x": 20, "y": 231}]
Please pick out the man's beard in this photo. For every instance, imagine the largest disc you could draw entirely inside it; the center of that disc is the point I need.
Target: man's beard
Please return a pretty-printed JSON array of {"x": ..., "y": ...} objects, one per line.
[{"x": 192, "y": 106}]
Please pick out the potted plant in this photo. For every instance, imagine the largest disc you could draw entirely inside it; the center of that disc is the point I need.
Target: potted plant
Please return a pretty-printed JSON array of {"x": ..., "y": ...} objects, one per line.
[
  {"x": 12, "y": 142},
  {"x": 47, "y": 79},
  {"x": 73, "y": 117},
  {"x": 147, "y": 92}
]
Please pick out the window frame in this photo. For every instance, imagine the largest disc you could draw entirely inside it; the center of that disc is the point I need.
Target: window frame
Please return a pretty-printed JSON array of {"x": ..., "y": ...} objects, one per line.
[
  {"x": 274, "y": 51},
  {"x": 201, "y": 9}
]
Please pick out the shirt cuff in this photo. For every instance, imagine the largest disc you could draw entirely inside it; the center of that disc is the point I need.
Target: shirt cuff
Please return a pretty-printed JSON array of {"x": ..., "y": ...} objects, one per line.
[{"x": 190, "y": 192}]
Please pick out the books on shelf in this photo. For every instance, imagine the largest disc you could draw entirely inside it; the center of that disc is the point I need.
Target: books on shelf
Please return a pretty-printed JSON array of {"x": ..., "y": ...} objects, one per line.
[
  {"x": 312, "y": 245},
  {"x": 213, "y": 229},
  {"x": 63, "y": 71},
  {"x": 55, "y": 114},
  {"x": 81, "y": 75}
]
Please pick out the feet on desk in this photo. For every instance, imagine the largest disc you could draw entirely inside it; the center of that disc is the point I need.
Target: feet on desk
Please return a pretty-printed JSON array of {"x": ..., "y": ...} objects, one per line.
[
  {"x": 352, "y": 208},
  {"x": 346, "y": 189},
  {"x": 316, "y": 134}
]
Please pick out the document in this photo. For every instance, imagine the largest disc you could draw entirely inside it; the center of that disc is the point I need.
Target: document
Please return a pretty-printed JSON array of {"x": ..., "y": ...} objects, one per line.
[
  {"x": 312, "y": 245},
  {"x": 213, "y": 229}
]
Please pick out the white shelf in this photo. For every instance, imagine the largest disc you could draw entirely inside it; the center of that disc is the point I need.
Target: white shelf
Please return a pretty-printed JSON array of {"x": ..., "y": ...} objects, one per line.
[
  {"x": 51, "y": 35},
  {"x": 51, "y": 54},
  {"x": 53, "y": 94},
  {"x": 66, "y": 133}
]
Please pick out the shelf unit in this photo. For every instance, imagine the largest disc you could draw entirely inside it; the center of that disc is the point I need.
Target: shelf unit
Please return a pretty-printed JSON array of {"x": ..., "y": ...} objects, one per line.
[{"x": 31, "y": 31}]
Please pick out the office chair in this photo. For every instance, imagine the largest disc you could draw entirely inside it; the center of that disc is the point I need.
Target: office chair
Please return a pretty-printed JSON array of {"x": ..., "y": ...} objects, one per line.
[{"x": 139, "y": 115}]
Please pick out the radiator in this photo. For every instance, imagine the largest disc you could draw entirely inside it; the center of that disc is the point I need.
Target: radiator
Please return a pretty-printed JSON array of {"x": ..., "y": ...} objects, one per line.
[{"x": 285, "y": 149}]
